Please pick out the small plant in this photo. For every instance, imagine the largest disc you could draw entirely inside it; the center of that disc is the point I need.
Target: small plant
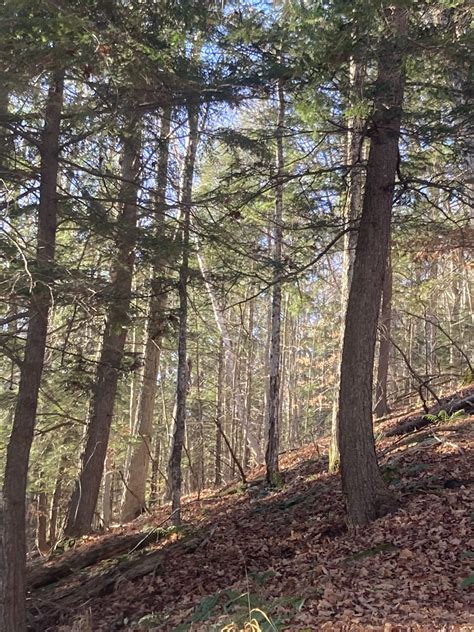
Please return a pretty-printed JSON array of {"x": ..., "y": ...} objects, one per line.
[{"x": 444, "y": 417}]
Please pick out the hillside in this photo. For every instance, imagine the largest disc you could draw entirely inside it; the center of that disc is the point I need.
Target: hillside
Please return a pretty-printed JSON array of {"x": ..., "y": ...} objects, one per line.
[{"x": 285, "y": 558}]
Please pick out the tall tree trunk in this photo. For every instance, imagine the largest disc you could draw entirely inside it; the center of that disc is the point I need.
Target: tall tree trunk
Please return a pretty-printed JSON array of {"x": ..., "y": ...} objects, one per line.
[
  {"x": 18, "y": 453},
  {"x": 364, "y": 489},
  {"x": 107, "y": 493},
  {"x": 155, "y": 470},
  {"x": 42, "y": 522},
  {"x": 381, "y": 403},
  {"x": 219, "y": 411},
  {"x": 84, "y": 498},
  {"x": 174, "y": 466},
  {"x": 273, "y": 402},
  {"x": 55, "y": 502},
  {"x": 133, "y": 502},
  {"x": 355, "y": 141},
  {"x": 230, "y": 360}
]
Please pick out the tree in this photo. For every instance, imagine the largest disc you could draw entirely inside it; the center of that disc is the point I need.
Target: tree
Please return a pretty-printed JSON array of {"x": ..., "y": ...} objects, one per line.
[
  {"x": 271, "y": 455},
  {"x": 86, "y": 492},
  {"x": 352, "y": 209},
  {"x": 381, "y": 404},
  {"x": 133, "y": 502},
  {"x": 364, "y": 489},
  {"x": 21, "y": 438},
  {"x": 179, "y": 423}
]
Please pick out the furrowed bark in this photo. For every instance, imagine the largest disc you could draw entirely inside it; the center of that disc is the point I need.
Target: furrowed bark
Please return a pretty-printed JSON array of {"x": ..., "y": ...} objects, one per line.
[
  {"x": 365, "y": 492},
  {"x": 355, "y": 142},
  {"x": 133, "y": 502},
  {"x": 21, "y": 438},
  {"x": 84, "y": 498}
]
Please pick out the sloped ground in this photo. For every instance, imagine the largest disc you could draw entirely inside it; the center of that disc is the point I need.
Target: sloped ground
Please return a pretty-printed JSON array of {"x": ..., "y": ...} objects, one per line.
[{"x": 286, "y": 558}]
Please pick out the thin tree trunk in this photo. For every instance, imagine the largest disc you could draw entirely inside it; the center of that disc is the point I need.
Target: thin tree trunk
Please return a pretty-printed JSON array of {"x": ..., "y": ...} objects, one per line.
[
  {"x": 219, "y": 410},
  {"x": 381, "y": 403},
  {"x": 84, "y": 498},
  {"x": 352, "y": 212},
  {"x": 133, "y": 502},
  {"x": 155, "y": 469},
  {"x": 174, "y": 466},
  {"x": 364, "y": 489},
  {"x": 273, "y": 439},
  {"x": 249, "y": 381},
  {"x": 230, "y": 360},
  {"x": 107, "y": 493},
  {"x": 42, "y": 522},
  {"x": 55, "y": 502},
  {"x": 21, "y": 438}
]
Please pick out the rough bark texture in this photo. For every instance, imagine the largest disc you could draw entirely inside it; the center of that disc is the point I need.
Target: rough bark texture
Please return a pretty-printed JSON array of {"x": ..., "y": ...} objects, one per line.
[
  {"x": 273, "y": 401},
  {"x": 381, "y": 404},
  {"x": 72, "y": 561},
  {"x": 133, "y": 503},
  {"x": 364, "y": 489},
  {"x": 84, "y": 499},
  {"x": 51, "y": 602},
  {"x": 42, "y": 523},
  {"x": 219, "y": 409},
  {"x": 463, "y": 400},
  {"x": 355, "y": 141},
  {"x": 179, "y": 428},
  {"x": 18, "y": 453}
]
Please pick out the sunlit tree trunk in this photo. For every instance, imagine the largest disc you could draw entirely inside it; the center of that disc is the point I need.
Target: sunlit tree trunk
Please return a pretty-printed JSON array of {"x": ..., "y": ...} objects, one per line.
[
  {"x": 273, "y": 402},
  {"x": 21, "y": 438},
  {"x": 364, "y": 490},
  {"x": 179, "y": 427},
  {"x": 230, "y": 362},
  {"x": 84, "y": 498},
  {"x": 381, "y": 404},
  {"x": 133, "y": 502},
  {"x": 219, "y": 415},
  {"x": 352, "y": 210}
]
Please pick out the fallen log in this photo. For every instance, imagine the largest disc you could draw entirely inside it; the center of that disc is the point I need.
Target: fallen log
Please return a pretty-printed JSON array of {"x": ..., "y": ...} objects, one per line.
[
  {"x": 450, "y": 405},
  {"x": 47, "y": 605},
  {"x": 73, "y": 560}
]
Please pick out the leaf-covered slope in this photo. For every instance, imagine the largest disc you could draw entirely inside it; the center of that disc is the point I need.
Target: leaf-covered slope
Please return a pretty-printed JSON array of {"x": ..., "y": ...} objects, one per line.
[{"x": 286, "y": 556}]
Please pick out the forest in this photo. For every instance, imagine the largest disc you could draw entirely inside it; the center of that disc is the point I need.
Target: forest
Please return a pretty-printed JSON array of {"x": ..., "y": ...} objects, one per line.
[{"x": 236, "y": 373}]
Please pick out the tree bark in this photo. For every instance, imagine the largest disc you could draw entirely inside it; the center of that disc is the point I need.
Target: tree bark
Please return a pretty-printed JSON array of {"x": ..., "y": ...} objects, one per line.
[
  {"x": 219, "y": 408},
  {"x": 55, "y": 502},
  {"x": 133, "y": 503},
  {"x": 174, "y": 466},
  {"x": 352, "y": 210},
  {"x": 84, "y": 498},
  {"x": 21, "y": 438},
  {"x": 273, "y": 401},
  {"x": 365, "y": 492},
  {"x": 42, "y": 522},
  {"x": 230, "y": 362},
  {"x": 381, "y": 403}
]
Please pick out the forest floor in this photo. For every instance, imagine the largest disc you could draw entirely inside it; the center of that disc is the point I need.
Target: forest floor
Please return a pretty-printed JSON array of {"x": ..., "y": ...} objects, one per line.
[{"x": 285, "y": 557}]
